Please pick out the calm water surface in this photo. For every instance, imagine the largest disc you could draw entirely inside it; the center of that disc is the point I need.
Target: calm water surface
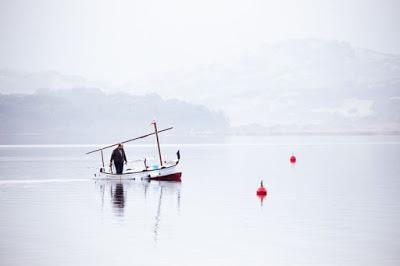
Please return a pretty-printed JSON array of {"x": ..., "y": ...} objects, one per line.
[{"x": 338, "y": 205}]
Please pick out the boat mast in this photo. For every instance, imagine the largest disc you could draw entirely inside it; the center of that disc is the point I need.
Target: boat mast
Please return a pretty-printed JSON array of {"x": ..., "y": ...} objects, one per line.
[
  {"x": 158, "y": 142},
  {"x": 102, "y": 158}
]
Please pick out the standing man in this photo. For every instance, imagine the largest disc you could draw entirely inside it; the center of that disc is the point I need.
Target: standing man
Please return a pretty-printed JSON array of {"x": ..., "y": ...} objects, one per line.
[{"x": 119, "y": 157}]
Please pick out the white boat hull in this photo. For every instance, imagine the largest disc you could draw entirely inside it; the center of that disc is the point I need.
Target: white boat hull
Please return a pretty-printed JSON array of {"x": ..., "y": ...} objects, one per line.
[{"x": 169, "y": 173}]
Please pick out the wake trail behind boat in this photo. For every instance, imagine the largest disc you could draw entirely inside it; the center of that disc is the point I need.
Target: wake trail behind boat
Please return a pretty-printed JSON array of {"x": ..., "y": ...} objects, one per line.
[{"x": 39, "y": 181}]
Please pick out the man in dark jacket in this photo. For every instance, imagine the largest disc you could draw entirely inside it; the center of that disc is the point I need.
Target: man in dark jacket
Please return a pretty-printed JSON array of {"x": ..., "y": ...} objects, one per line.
[{"x": 119, "y": 157}]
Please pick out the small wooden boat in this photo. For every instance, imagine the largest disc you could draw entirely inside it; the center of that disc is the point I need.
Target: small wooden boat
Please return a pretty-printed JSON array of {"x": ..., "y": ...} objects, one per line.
[{"x": 165, "y": 171}]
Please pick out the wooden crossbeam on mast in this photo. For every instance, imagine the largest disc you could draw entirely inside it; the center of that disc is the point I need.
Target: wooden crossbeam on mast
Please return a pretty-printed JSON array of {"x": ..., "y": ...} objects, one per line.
[{"x": 129, "y": 140}]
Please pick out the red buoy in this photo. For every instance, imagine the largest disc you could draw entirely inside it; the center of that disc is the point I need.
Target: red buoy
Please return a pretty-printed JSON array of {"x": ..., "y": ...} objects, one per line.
[
  {"x": 293, "y": 159},
  {"x": 261, "y": 191}
]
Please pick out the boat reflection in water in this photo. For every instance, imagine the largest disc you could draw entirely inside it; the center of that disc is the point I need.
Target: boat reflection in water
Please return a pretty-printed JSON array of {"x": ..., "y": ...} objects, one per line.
[
  {"x": 142, "y": 195},
  {"x": 118, "y": 197}
]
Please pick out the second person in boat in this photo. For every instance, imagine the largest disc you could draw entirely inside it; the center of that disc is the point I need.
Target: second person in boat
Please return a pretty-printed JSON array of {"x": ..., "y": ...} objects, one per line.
[{"x": 119, "y": 157}]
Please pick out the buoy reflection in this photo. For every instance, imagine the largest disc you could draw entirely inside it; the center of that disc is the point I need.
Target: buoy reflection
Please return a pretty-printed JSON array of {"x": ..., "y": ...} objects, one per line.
[{"x": 261, "y": 192}]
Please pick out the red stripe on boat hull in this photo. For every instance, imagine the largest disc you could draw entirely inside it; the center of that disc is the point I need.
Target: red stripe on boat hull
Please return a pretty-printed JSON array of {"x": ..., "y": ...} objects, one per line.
[{"x": 176, "y": 177}]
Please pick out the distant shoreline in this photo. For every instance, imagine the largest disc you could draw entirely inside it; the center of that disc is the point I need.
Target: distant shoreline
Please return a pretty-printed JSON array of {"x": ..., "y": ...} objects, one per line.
[
  {"x": 323, "y": 133},
  {"x": 193, "y": 139}
]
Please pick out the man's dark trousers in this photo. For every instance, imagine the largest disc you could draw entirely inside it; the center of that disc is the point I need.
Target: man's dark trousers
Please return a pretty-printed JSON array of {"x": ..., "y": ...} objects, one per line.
[{"x": 119, "y": 167}]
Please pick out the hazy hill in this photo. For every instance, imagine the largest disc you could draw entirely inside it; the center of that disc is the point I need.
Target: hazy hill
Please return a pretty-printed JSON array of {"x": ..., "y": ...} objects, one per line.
[
  {"x": 90, "y": 116},
  {"x": 306, "y": 84}
]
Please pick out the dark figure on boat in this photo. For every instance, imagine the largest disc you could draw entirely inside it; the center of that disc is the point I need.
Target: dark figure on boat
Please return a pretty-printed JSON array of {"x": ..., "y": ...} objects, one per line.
[{"x": 119, "y": 157}]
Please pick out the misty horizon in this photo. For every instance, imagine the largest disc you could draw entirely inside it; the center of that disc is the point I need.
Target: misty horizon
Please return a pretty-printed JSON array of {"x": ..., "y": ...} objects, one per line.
[{"x": 297, "y": 86}]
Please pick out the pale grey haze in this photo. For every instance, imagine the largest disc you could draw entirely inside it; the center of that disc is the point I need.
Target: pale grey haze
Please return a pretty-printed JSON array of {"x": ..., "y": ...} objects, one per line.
[
  {"x": 116, "y": 41},
  {"x": 255, "y": 66}
]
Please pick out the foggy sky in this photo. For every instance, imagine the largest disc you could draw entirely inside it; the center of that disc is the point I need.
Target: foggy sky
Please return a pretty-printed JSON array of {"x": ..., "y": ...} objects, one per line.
[{"x": 117, "y": 41}]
